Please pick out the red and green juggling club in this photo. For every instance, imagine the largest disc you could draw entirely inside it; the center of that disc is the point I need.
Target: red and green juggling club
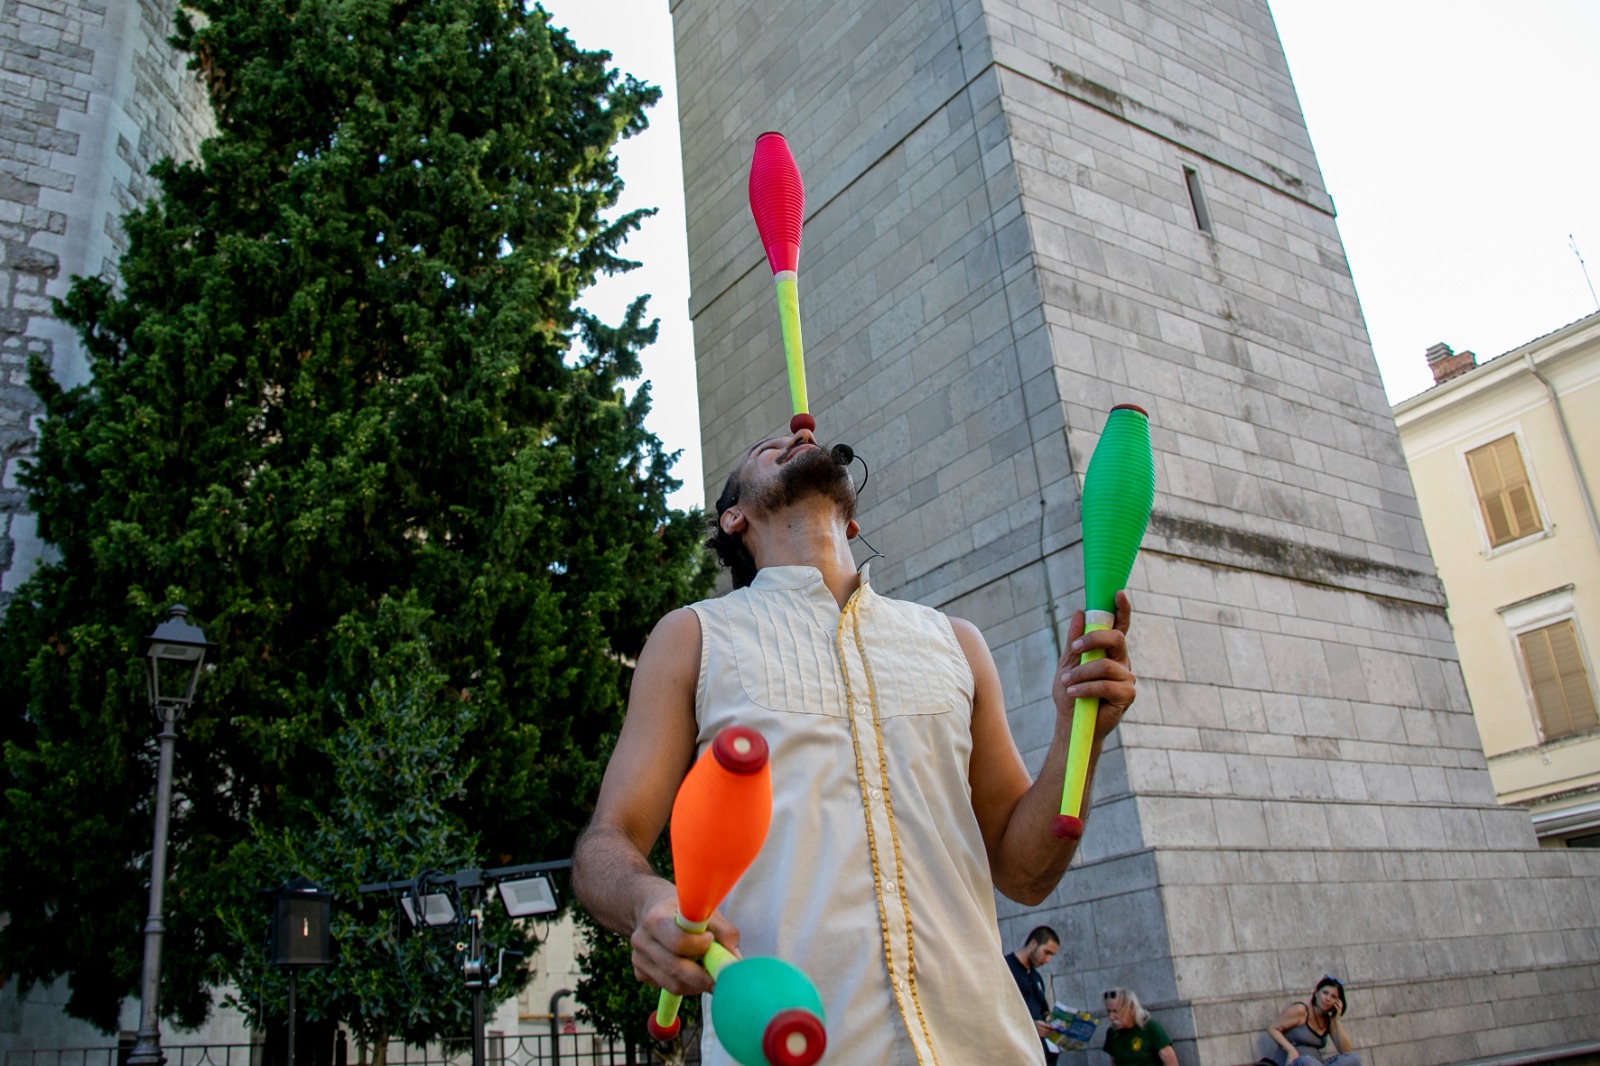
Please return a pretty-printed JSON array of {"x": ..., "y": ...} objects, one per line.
[
  {"x": 1118, "y": 491},
  {"x": 719, "y": 822},
  {"x": 778, "y": 202}
]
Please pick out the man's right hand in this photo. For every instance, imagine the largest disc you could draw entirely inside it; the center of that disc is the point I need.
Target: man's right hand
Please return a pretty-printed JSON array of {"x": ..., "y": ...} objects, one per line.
[{"x": 666, "y": 955}]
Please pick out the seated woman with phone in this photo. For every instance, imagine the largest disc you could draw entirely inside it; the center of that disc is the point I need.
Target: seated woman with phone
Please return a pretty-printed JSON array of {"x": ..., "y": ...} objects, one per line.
[{"x": 1301, "y": 1032}]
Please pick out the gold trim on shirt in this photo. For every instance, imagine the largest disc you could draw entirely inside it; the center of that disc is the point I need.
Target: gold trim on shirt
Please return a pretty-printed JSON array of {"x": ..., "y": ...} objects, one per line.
[{"x": 852, "y": 613}]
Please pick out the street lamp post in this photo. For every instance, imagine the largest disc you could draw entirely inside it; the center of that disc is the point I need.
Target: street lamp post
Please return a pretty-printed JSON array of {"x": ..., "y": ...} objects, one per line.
[{"x": 181, "y": 648}]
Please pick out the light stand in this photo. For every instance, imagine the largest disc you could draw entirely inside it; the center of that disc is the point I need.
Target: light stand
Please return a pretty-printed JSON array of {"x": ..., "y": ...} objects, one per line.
[{"x": 524, "y": 891}]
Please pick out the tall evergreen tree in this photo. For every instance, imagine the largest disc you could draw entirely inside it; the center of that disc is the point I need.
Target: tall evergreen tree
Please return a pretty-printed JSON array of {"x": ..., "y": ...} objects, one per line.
[{"x": 344, "y": 364}]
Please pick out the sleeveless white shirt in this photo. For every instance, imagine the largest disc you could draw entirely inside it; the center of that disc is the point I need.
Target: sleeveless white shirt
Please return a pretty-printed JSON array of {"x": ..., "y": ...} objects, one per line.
[{"x": 873, "y": 878}]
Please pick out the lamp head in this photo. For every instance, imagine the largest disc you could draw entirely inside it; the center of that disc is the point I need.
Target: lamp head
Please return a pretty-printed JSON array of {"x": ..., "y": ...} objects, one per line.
[{"x": 177, "y": 651}]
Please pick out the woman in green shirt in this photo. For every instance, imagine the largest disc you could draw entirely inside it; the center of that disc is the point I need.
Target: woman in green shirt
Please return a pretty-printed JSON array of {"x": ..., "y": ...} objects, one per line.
[{"x": 1135, "y": 1038}]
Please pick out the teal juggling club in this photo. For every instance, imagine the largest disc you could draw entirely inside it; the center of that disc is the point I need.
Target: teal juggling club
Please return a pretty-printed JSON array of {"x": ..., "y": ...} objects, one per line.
[
  {"x": 766, "y": 1012},
  {"x": 1118, "y": 491}
]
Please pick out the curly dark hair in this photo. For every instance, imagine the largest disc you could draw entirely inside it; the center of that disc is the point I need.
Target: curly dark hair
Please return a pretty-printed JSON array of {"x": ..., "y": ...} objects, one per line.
[{"x": 729, "y": 547}]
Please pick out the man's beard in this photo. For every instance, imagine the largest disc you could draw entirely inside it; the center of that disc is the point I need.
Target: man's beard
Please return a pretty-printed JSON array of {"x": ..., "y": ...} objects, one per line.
[{"x": 814, "y": 472}]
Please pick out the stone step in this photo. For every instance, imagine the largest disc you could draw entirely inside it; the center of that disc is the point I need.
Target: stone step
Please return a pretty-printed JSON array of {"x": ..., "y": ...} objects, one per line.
[{"x": 1583, "y": 1053}]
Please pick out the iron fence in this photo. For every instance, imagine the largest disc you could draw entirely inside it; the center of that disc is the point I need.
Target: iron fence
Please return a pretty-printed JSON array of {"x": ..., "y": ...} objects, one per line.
[
  {"x": 530, "y": 1049},
  {"x": 177, "y": 1055},
  {"x": 536, "y": 1049}
]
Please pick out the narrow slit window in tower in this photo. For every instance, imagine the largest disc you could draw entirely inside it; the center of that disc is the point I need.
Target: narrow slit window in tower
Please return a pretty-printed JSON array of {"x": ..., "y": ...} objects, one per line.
[{"x": 1197, "y": 199}]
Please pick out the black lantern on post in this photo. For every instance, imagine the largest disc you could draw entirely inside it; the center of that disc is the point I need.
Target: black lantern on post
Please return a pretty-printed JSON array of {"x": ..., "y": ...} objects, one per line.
[
  {"x": 176, "y": 653},
  {"x": 301, "y": 913}
]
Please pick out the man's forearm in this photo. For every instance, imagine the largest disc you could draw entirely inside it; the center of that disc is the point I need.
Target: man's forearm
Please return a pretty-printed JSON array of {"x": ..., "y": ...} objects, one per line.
[
  {"x": 613, "y": 879},
  {"x": 1032, "y": 859}
]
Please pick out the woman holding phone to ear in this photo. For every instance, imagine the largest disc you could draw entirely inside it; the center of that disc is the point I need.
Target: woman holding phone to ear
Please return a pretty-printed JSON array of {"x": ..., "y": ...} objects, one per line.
[{"x": 1301, "y": 1032}]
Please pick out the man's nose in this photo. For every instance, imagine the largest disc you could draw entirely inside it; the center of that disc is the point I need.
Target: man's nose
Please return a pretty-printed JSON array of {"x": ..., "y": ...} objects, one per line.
[{"x": 803, "y": 436}]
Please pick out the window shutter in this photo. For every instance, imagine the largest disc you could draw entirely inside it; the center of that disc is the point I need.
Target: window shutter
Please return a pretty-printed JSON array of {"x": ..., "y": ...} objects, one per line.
[
  {"x": 1522, "y": 510},
  {"x": 1504, "y": 495},
  {"x": 1561, "y": 691}
]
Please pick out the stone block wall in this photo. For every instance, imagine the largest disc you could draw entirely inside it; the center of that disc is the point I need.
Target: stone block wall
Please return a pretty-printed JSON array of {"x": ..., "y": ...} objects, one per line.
[
  {"x": 91, "y": 96},
  {"x": 1000, "y": 245}
]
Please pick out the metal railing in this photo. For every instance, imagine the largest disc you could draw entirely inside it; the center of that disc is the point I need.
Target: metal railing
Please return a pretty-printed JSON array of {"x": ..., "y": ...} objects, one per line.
[
  {"x": 177, "y": 1055},
  {"x": 529, "y": 1049},
  {"x": 534, "y": 1049}
]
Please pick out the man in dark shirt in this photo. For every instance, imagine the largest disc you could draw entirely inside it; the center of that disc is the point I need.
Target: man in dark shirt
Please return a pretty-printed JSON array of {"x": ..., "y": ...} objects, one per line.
[{"x": 1040, "y": 947}]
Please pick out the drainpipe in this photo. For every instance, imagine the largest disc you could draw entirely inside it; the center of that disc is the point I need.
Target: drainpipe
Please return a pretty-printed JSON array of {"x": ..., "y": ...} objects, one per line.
[
  {"x": 1572, "y": 452},
  {"x": 555, "y": 1024}
]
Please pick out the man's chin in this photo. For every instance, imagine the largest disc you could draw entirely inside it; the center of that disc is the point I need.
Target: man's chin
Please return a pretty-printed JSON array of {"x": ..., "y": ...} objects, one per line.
[{"x": 810, "y": 472}]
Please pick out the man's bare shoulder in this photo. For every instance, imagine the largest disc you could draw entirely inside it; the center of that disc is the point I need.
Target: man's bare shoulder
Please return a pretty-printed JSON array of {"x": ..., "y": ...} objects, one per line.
[
  {"x": 673, "y": 629},
  {"x": 966, "y": 630},
  {"x": 972, "y": 641}
]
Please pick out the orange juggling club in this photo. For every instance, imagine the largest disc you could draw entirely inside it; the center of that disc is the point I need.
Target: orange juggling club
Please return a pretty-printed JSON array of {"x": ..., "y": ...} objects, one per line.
[{"x": 719, "y": 822}]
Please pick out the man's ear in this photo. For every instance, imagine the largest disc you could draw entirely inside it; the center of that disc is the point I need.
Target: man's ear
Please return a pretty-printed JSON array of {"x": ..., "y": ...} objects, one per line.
[
  {"x": 851, "y": 529},
  {"x": 733, "y": 521}
]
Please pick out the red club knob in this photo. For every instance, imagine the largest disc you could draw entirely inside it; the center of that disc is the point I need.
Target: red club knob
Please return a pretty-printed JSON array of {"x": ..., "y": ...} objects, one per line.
[
  {"x": 1066, "y": 827},
  {"x": 794, "y": 1037},
  {"x": 740, "y": 750}
]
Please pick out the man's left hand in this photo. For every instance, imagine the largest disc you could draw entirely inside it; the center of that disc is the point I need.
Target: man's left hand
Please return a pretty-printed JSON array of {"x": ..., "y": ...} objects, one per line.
[{"x": 1110, "y": 680}]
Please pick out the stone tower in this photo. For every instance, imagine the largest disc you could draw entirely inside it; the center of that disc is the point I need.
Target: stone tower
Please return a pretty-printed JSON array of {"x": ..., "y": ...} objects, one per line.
[
  {"x": 1020, "y": 213},
  {"x": 92, "y": 96}
]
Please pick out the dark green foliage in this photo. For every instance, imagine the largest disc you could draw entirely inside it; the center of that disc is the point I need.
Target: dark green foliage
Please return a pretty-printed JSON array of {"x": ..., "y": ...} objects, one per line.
[
  {"x": 337, "y": 373},
  {"x": 396, "y": 761}
]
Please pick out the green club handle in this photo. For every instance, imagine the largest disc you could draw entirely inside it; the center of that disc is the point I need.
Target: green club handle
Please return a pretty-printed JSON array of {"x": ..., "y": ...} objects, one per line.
[
  {"x": 794, "y": 353},
  {"x": 663, "y": 1024}
]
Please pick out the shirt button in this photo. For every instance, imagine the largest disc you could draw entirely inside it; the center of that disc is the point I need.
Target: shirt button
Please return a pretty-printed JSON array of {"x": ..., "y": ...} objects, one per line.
[
  {"x": 876, "y": 794},
  {"x": 888, "y": 886},
  {"x": 861, "y": 710},
  {"x": 904, "y": 984}
]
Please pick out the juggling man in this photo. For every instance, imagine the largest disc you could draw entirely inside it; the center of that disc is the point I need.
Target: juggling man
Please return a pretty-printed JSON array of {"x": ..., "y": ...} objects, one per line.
[{"x": 900, "y": 801}]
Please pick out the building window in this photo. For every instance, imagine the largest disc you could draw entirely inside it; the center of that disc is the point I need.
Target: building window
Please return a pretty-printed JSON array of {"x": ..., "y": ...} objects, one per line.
[
  {"x": 1197, "y": 199},
  {"x": 1504, "y": 495},
  {"x": 1561, "y": 692}
]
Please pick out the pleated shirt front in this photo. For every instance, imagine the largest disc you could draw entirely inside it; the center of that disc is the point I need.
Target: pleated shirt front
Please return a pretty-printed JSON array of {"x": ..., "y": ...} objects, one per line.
[{"x": 873, "y": 878}]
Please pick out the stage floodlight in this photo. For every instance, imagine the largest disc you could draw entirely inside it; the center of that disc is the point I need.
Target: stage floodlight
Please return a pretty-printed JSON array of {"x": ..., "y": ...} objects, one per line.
[
  {"x": 436, "y": 909},
  {"x": 528, "y": 897}
]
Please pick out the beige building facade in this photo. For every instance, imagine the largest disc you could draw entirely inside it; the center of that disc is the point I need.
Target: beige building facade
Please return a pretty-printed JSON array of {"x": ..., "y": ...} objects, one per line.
[{"x": 1504, "y": 457}]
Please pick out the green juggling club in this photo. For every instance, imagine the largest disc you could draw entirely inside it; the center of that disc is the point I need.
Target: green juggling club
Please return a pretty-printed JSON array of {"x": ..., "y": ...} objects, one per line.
[{"x": 1118, "y": 492}]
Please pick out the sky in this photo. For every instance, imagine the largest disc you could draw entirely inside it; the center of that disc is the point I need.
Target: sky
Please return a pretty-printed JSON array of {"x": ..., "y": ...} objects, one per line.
[{"x": 1456, "y": 137}]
